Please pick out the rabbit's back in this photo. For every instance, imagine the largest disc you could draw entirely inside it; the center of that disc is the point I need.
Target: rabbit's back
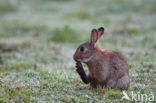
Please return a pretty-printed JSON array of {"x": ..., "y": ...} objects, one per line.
[{"x": 118, "y": 69}]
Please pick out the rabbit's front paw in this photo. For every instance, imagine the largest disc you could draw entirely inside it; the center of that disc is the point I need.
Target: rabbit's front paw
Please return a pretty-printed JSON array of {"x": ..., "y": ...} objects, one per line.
[{"x": 79, "y": 67}]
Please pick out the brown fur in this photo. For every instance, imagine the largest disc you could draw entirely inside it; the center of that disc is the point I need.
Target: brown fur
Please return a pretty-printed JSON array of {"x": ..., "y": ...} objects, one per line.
[{"x": 106, "y": 67}]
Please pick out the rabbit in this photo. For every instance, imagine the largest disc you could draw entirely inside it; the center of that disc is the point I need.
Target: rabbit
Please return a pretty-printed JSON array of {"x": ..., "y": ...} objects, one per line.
[{"x": 105, "y": 67}]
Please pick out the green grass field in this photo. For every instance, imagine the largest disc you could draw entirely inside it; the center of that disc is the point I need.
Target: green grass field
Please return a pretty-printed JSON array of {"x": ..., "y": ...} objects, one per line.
[{"x": 39, "y": 37}]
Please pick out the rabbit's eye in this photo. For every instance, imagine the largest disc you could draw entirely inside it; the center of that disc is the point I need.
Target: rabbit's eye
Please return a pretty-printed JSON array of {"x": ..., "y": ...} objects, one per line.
[{"x": 82, "y": 49}]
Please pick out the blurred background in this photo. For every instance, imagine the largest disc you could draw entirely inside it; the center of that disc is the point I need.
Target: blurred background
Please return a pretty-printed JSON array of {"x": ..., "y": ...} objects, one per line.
[{"x": 39, "y": 37}]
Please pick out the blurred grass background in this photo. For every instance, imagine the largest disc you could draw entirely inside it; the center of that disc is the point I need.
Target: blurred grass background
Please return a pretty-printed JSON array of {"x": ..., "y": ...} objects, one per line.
[{"x": 39, "y": 37}]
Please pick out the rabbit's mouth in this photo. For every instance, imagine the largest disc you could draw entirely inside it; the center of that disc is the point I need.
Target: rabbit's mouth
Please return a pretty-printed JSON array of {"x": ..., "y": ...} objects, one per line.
[{"x": 85, "y": 60}]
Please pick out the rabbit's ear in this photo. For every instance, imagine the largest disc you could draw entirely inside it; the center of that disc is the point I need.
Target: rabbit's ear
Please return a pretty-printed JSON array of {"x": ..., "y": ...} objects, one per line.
[
  {"x": 94, "y": 36},
  {"x": 100, "y": 32}
]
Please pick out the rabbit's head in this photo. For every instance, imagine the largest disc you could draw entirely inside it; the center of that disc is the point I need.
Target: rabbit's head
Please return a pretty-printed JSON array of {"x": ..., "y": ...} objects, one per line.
[{"x": 86, "y": 51}]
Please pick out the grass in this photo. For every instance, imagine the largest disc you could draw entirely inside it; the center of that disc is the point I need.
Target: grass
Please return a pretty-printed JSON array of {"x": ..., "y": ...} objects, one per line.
[
  {"x": 39, "y": 37},
  {"x": 65, "y": 34}
]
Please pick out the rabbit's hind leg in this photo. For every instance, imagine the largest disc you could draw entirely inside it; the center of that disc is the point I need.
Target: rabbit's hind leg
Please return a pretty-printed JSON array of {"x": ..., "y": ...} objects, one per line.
[
  {"x": 123, "y": 82},
  {"x": 93, "y": 83},
  {"x": 111, "y": 83}
]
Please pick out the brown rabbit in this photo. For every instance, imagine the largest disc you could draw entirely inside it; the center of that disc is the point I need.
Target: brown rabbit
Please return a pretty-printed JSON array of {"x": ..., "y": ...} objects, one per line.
[{"x": 106, "y": 67}]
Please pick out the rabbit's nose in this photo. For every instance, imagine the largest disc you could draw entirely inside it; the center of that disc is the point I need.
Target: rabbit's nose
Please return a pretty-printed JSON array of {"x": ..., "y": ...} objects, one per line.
[{"x": 75, "y": 57}]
